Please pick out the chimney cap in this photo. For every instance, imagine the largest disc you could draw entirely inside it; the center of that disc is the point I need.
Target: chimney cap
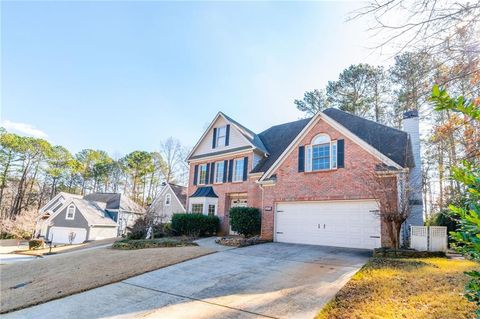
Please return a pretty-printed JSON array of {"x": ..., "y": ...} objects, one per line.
[{"x": 410, "y": 114}]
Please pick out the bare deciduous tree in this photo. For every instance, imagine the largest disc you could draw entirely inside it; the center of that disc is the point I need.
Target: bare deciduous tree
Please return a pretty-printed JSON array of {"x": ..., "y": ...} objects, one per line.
[{"x": 391, "y": 192}]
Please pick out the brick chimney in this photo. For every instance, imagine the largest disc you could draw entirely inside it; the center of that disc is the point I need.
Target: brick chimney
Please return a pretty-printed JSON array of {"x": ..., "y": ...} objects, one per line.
[{"x": 411, "y": 125}]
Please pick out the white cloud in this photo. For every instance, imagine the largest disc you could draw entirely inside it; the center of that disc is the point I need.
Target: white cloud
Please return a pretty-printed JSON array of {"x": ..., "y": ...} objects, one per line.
[{"x": 23, "y": 128}]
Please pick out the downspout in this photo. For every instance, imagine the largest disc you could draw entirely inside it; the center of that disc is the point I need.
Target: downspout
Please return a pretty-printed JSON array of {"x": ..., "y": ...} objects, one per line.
[{"x": 261, "y": 187}]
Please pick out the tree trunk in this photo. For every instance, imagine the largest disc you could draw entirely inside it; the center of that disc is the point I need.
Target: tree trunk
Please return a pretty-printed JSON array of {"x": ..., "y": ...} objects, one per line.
[
  {"x": 17, "y": 202},
  {"x": 4, "y": 180}
]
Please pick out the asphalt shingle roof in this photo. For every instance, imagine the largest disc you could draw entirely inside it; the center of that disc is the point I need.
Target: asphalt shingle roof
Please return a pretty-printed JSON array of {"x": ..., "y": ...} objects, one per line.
[
  {"x": 276, "y": 139},
  {"x": 391, "y": 142},
  {"x": 180, "y": 192},
  {"x": 115, "y": 201}
]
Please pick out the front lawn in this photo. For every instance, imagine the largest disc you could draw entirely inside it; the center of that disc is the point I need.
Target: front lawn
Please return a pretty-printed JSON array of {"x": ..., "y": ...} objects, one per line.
[
  {"x": 404, "y": 288},
  {"x": 28, "y": 283}
]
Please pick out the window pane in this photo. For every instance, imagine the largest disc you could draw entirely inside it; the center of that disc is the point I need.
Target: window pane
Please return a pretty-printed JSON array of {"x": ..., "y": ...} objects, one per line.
[
  {"x": 197, "y": 208},
  {"x": 221, "y": 133},
  {"x": 321, "y": 157},
  {"x": 219, "y": 167},
  {"x": 238, "y": 172},
  {"x": 202, "y": 174},
  {"x": 211, "y": 210}
]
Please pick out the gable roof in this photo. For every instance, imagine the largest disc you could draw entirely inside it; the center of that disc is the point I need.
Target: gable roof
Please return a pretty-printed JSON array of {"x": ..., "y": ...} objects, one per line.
[
  {"x": 180, "y": 192},
  {"x": 276, "y": 139},
  {"x": 93, "y": 213},
  {"x": 387, "y": 143},
  {"x": 250, "y": 137},
  {"x": 391, "y": 142},
  {"x": 115, "y": 201}
]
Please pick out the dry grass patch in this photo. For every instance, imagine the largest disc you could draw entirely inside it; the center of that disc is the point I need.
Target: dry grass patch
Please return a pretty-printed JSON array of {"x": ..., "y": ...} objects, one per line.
[
  {"x": 59, "y": 276},
  {"x": 427, "y": 288},
  {"x": 65, "y": 248}
]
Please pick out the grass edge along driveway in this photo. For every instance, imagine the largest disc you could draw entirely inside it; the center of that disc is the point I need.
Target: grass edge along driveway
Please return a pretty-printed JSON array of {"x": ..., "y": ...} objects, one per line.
[
  {"x": 54, "y": 277},
  {"x": 404, "y": 288}
]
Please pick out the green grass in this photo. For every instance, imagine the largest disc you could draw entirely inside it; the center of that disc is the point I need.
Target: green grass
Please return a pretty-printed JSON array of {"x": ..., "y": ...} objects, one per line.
[
  {"x": 129, "y": 244},
  {"x": 426, "y": 288}
]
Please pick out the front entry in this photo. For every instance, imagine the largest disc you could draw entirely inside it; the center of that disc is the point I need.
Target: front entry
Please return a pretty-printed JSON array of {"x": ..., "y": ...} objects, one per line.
[{"x": 237, "y": 202}]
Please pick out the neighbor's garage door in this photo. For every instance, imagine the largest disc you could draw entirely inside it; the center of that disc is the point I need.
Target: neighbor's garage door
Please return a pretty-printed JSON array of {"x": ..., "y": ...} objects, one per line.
[
  {"x": 61, "y": 235},
  {"x": 353, "y": 224}
]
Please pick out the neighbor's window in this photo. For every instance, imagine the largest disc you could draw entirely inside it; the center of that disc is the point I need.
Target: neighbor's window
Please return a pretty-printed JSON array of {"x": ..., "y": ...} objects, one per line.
[
  {"x": 202, "y": 174},
  {"x": 321, "y": 154},
  {"x": 168, "y": 199},
  {"x": 219, "y": 169},
  {"x": 211, "y": 210},
  {"x": 238, "y": 170},
  {"x": 197, "y": 208},
  {"x": 70, "y": 212},
  {"x": 221, "y": 136}
]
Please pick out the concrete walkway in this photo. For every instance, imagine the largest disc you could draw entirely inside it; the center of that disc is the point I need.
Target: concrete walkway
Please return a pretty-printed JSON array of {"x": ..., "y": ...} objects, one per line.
[
  {"x": 264, "y": 281},
  {"x": 209, "y": 242}
]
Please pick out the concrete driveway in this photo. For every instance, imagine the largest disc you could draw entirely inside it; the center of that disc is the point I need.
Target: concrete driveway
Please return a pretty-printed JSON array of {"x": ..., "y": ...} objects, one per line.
[{"x": 271, "y": 280}]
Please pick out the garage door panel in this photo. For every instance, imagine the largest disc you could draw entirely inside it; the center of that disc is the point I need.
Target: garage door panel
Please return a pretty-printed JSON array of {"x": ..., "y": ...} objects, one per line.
[
  {"x": 60, "y": 235},
  {"x": 340, "y": 223}
]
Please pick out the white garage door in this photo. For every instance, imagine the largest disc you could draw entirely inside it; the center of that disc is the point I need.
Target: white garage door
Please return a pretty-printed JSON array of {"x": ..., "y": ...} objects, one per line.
[
  {"x": 353, "y": 224},
  {"x": 61, "y": 235}
]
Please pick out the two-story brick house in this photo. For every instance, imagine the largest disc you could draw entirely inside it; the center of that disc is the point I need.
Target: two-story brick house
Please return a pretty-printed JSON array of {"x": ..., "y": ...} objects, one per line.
[{"x": 307, "y": 177}]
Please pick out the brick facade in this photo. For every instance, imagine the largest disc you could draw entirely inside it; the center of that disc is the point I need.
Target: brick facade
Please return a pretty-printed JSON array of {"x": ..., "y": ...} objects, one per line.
[
  {"x": 229, "y": 190},
  {"x": 338, "y": 184}
]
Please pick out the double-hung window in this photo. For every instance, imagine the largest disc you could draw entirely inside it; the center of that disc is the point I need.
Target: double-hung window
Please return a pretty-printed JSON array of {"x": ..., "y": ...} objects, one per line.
[
  {"x": 221, "y": 136},
  {"x": 238, "y": 170},
  {"x": 321, "y": 154},
  {"x": 219, "y": 170},
  {"x": 202, "y": 174},
  {"x": 211, "y": 210},
  {"x": 168, "y": 199},
  {"x": 197, "y": 208}
]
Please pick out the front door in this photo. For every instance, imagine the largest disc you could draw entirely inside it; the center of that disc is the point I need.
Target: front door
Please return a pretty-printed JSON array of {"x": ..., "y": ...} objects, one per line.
[{"x": 237, "y": 202}]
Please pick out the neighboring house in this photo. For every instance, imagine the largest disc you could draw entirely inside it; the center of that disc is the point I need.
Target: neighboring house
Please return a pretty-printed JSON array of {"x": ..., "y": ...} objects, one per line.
[
  {"x": 94, "y": 216},
  {"x": 171, "y": 199},
  {"x": 307, "y": 177}
]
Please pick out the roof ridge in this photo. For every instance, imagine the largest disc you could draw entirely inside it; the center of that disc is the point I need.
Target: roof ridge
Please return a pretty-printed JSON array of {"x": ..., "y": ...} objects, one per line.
[
  {"x": 291, "y": 122},
  {"x": 365, "y": 119}
]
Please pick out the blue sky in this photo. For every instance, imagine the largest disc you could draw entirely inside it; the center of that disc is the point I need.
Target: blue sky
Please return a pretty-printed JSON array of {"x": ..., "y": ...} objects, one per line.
[{"x": 122, "y": 76}]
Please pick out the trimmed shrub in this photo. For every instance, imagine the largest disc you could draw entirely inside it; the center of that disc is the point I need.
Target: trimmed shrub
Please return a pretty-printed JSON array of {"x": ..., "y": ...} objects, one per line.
[
  {"x": 246, "y": 221},
  {"x": 194, "y": 224},
  {"x": 128, "y": 244},
  {"x": 35, "y": 243},
  {"x": 140, "y": 228}
]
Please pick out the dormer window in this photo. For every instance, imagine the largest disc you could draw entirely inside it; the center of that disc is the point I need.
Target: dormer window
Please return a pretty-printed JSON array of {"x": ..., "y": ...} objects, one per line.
[
  {"x": 70, "y": 212},
  {"x": 321, "y": 154},
  {"x": 221, "y": 136}
]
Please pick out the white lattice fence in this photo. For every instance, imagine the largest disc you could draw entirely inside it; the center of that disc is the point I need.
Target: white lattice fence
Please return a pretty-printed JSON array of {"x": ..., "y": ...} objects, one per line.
[
  {"x": 433, "y": 238},
  {"x": 419, "y": 238},
  {"x": 437, "y": 238}
]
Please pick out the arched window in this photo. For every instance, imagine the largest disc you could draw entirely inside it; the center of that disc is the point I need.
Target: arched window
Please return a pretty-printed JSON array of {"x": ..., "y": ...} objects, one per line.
[
  {"x": 70, "y": 212},
  {"x": 321, "y": 154},
  {"x": 168, "y": 199}
]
